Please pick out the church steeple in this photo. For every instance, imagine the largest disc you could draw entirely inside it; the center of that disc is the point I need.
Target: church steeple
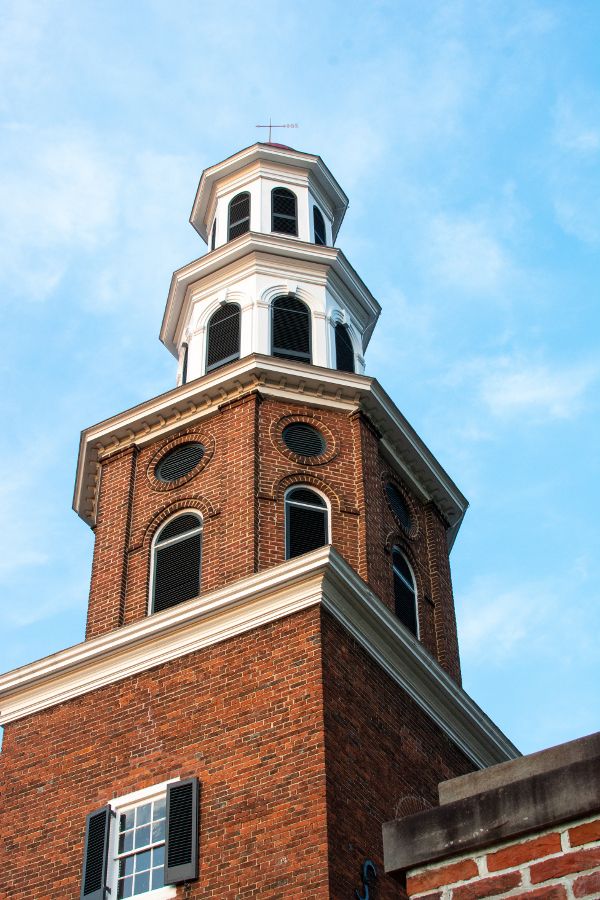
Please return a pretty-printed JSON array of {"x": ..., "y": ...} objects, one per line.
[{"x": 272, "y": 282}]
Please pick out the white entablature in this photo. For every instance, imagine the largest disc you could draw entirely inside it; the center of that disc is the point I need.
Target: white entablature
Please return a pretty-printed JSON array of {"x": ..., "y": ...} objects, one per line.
[{"x": 270, "y": 215}]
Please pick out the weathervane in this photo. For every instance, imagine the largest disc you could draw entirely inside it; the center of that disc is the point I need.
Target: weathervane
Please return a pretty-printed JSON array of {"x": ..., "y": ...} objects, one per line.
[{"x": 270, "y": 126}]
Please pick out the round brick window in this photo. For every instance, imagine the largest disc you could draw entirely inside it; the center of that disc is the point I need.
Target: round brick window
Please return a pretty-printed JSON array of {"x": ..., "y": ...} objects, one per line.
[
  {"x": 179, "y": 462},
  {"x": 303, "y": 439}
]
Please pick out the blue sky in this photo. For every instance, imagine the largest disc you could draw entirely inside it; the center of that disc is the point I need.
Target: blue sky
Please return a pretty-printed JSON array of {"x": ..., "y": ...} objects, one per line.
[{"x": 467, "y": 135}]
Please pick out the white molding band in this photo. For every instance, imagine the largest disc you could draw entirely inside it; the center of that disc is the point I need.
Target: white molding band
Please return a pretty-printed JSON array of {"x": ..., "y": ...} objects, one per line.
[{"x": 321, "y": 577}]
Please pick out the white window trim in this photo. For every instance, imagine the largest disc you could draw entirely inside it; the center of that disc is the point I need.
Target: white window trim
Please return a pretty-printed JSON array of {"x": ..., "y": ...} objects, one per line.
[
  {"x": 315, "y": 490},
  {"x": 119, "y": 805}
]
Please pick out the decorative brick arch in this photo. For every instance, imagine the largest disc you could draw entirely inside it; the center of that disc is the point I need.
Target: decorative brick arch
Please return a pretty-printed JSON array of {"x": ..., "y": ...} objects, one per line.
[
  {"x": 310, "y": 480},
  {"x": 146, "y": 532}
]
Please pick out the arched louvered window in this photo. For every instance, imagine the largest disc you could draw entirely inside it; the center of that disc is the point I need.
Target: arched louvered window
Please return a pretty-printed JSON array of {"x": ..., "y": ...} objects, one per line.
[
  {"x": 344, "y": 351},
  {"x": 239, "y": 216},
  {"x": 284, "y": 217},
  {"x": 306, "y": 521},
  {"x": 213, "y": 235},
  {"x": 319, "y": 226},
  {"x": 223, "y": 341},
  {"x": 184, "y": 365},
  {"x": 176, "y": 557},
  {"x": 290, "y": 329},
  {"x": 405, "y": 592}
]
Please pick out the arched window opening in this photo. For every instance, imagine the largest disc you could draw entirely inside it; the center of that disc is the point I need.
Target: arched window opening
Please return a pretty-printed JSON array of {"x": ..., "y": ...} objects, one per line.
[
  {"x": 344, "y": 351},
  {"x": 223, "y": 336},
  {"x": 284, "y": 218},
  {"x": 184, "y": 364},
  {"x": 239, "y": 216},
  {"x": 213, "y": 235},
  {"x": 306, "y": 522},
  {"x": 291, "y": 329},
  {"x": 177, "y": 553},
  {"x": 319, "y": 226},
  {"x": 405, "y": 593}
]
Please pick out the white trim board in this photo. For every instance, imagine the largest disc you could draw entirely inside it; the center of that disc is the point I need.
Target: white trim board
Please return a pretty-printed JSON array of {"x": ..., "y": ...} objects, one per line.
[{"x": 321, "y": 577}]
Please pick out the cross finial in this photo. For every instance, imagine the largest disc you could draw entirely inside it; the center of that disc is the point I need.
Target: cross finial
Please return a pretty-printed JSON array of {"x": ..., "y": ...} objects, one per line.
[{"x": 270, "y": 126}]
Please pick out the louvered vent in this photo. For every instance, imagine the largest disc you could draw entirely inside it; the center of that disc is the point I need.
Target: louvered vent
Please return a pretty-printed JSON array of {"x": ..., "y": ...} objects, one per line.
[
  {"x": 284, "y": 217},
  {"x": 184, "y": 366},
  {"x": 291, "y": 329},
  {"x": 179, "y": 462},
  {"x": 181, "y": 862},
  {"x": 398, "y": 505},
  {"x": 319, "y": 226},
  {"x": 303, "y": 439},
  {"x": 404, "y": 592},
  {"x": 95, "y": 854},
  {"x": 306, "y": 522},
  {"x": 223, "y": 336},
  {"x": 177, "y": 560},
  {"x": 344, "y": 352},
  {"x": 239, "y": 216}
]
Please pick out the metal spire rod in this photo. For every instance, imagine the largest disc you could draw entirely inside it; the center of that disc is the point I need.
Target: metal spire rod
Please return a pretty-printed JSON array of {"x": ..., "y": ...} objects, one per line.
[{"x": 270, "y": 126}]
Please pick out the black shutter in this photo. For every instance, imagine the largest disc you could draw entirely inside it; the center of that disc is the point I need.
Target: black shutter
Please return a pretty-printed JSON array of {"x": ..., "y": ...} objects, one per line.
[
  {"x": 291, "y": 329},
  {"x": 223, "y": 336},
  {"x": 95, "y": 855},
  {"x": 239, "y": 216},
  {"x": 181, "y": 851},
  {"x": 177, "y": 572},
  {"x": 319, "y": 226},
  {"x": 283, "y": 211},
  {"x": 344, "y": 352}
]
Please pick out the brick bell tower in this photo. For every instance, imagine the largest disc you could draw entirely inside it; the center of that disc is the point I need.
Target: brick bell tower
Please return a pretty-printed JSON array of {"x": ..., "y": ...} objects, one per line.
[{"x": 270, "y": 669}]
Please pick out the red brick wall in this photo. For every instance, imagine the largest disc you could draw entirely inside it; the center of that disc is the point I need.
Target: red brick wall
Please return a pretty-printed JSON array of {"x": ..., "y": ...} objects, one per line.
[
  {"x": 245, "y": 716},
  {"x": 239, "y": 491},
  {"x": 383, "y": 754},
  {"x": 558, "y": 864}
]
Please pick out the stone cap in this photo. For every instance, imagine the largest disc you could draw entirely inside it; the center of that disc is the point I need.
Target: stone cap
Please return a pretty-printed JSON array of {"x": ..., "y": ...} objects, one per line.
[{"x": 499, "y": 803}]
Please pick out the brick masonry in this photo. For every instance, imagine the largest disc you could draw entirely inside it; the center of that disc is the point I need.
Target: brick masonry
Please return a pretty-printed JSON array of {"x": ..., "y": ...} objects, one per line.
[
  {"x": 559, "y": 864},
  {"x": 239, "y": 492},
  {"x": 303, "y": 747}
]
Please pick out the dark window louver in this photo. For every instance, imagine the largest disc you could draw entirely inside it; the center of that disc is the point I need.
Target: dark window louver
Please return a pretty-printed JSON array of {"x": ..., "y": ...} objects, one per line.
[
  {"x": 398, "y": 505},
  {"x": 319, "y": 226},
  {"x": 305, "y": 522},
  {"x": 303, "y": 439},
  {"x": 184, "y": 366},
  {"x": 181, "y": 854},
  {"x": 95, "y": 855},
  {"x": 213, "y": 235},
  {"x": 223, "y": 336},
  {"x": 239, "y": 216},
  {"x": 179, "y": 462},
  {"x": 405, "y": 596},
  {"x": 177, "y": 562},
  {"x": 284, "y": 218},
  {"x": 344, "y": 352},
  {"x": 291, "y": 329}
]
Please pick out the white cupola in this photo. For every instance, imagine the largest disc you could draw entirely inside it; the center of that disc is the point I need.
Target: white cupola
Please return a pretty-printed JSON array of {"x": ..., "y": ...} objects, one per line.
[{"x": 272, "y": 283}]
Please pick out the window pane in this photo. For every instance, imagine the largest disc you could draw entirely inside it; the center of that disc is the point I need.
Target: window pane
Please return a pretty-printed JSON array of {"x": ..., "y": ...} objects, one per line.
[
  {"x": 142, "y": 836},
  {"x": 405, "y": 604},
  {"x": 158, "y": 878},
  {"x": 158, "y": 831},
  {"x": 125, "y": 888},
  {"x": 126, "y": 866},
  {"x": 143, "y": 814},
  {"x": 126, "y": 842},
  {"x": 158, "y": 856},
  {"x": 160, "y": 808},
  {"x": 142, "y": 883},
  {"x": 306, "y": 529},
  {"x": 177, "y": 572},
  {"x": 142, "y": 861},
  {"x": 126, "y": 820}
]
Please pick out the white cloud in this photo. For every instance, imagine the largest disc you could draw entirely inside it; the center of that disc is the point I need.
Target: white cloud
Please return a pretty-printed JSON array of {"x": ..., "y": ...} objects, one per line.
[
  {"x": 465, "y": 253},
  {"x": 513, "y": 386}
]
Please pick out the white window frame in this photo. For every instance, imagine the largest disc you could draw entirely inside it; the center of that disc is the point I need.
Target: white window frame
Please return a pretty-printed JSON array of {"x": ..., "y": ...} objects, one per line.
[
  {"x": 118, "y": 806},
  {"x": 412, "y": 587},
  {"x": 315, "y": 490}
]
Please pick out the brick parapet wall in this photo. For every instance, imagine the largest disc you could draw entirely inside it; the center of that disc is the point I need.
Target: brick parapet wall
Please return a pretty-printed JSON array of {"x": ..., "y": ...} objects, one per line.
[{"x": 561, "y": 863}]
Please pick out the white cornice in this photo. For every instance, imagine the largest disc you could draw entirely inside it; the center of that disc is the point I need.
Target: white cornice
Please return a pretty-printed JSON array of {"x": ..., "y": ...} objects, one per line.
[
  {"x": 287, "y": 380},
  {"x": 263, "y": 154},
  {"x": 246, "y": 250},
  {"x": 321, "y": 577}
]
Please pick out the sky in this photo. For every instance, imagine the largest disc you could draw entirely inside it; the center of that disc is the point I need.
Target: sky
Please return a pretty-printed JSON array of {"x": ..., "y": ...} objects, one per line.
[{"x": 467, "y": 136}]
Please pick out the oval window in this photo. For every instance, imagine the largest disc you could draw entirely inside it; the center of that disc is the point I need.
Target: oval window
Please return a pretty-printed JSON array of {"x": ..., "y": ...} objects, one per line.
[
  {"x": 179, "y": 462},
  {"x": 303, "y": 439},
  {"x": 398, "y": 505}
]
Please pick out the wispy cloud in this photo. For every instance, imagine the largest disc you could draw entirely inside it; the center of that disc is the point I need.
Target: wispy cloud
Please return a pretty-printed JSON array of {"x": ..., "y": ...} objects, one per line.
[{"x": 465, "y": 253}]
